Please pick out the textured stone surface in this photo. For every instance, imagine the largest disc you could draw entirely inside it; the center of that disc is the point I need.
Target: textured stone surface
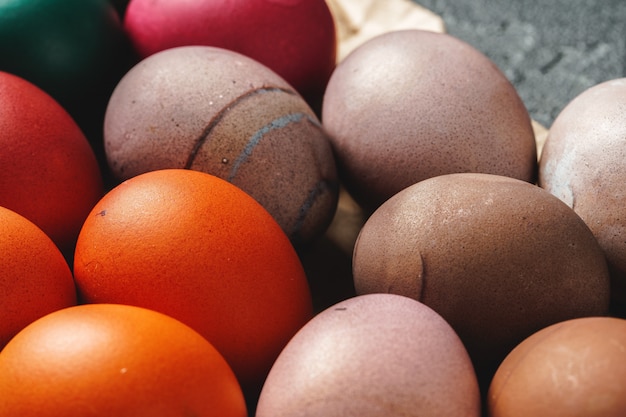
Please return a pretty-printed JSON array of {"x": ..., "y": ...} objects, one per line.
[{"x": 550, "y": 51}]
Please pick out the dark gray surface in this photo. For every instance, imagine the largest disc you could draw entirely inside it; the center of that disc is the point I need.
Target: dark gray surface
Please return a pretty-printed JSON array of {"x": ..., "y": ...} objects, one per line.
[{"x": 550, "y": 50}]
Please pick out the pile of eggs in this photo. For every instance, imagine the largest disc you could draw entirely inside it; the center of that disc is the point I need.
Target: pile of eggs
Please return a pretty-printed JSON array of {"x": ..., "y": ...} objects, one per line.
[{"x": 201, "y": 220}]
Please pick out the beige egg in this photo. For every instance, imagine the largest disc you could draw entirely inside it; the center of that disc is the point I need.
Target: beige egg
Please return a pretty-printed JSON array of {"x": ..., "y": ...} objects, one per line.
[
  {"x": 372, "y": 355},
  {"x": 220, "y": 112},
  {"x": 584, "y": 164},
  {"x": 412, "y": 104},
  {"x": 497, "y": 257},
  {"x": 575, "y": 368}
]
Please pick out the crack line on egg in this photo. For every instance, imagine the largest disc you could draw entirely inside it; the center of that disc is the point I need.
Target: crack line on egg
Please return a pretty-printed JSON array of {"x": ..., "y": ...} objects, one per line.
[{"x": 220, "y": 115}]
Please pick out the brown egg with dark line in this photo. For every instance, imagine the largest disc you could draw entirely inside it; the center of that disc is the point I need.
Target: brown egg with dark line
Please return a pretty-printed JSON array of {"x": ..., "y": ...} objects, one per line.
[
  {"x": 220, "y": 112},
  {"x": 497, "y": 257}
]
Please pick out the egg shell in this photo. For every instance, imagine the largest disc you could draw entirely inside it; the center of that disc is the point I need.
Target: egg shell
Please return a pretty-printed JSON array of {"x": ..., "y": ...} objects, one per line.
[
  {"x": 49, "y": 174},
  {"x": 197, "y": 248},
  {"x": 584, "y": 164},
  {"x": 372, "y": 355},
  {"x": 497, "y": 257},
  {"x": 411, "y": 104},
  {"x": 295, "y": 38},
  {"x": 75, "y": 50},
  {"x": 35, "y": 279},
  {"x": 574, "y": 368},
  {"x": 217, "y": 111}
]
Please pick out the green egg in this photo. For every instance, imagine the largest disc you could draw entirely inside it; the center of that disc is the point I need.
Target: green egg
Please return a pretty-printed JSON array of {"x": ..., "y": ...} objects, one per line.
[{"x": 73, "y": 49}]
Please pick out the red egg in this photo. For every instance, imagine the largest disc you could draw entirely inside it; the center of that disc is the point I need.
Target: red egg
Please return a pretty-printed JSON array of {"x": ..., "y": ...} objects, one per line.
[
  {"x": 295, "y": 38},
  {"x": 49, "y": 174}
]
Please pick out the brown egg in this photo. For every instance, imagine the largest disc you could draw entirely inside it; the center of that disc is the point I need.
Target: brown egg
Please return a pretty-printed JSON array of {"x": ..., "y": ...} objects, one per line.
[
  {"x": 411, "y": 104},
  {"x": 220, "y": 112},
  {"x": 372, "y": 355},
  {"x": 575, "y": 368},
  {"x": 497, "y": 257},
  {"x": 584, "y": 164}
]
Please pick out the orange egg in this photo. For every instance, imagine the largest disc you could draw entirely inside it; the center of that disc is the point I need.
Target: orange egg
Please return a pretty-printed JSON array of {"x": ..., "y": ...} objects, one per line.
[
  {"x": 49, "y": 174},
  {"x": 198, "y": 248},
  {"x": 574, "y": 368},
  {"x": 115, "y": 360},
  {"x": 34, "y": 277}
]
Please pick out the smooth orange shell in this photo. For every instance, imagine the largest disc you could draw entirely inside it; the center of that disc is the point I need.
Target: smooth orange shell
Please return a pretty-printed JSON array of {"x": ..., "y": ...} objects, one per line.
[
  {"x": 574, "y": 368},
  {"x": 196, "y": 247},
  {"x": 49, "y": 174},
  {"x": 115, "y": 360},
  {"x": 34, "y": 277}
]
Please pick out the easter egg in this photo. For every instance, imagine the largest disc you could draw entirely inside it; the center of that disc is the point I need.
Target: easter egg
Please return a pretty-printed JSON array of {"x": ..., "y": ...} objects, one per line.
[
  {"x": 572, "y": 368},
  {"x": 373, "y": 355},
  {"x": 195, "y": 247},
  {"x": 217, "y": 111},
  {"x": 295, "y": 38},
  {"x": 497, "y": 257},
  {"x": 50, "y": 174},
  {"x": 584, "y": 164},
  {"x": 35, "y": 278},
  {"x": 75, "y": 50},
  {"x": 412, "y": 104},
  {"x": 115, "y": 360}
]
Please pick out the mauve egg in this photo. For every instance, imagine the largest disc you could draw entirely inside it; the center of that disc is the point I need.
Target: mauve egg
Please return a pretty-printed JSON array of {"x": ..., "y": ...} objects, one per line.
[
  {"x": 372, "y": 355},
  {"x": 497, "y": 257},
  {"x": 584, "y": 164},
  {"x": 412, "y": 104},
  {"x": 220, "y": 112},
  {"x": 575, "y": 368}
]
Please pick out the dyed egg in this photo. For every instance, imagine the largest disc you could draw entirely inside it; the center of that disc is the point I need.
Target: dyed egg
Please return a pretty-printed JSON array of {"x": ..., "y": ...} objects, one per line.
[
  {"x": 197, "y": 248},
  {"x": 35, "y": 279},
  {"x": 75, "y": 50},
  {"x": 295, "y": 38},
  {"x": 217, "y": 111},
  {"x": 584, "y": 164},
  {"x": 372, "y": 355},
  {"x": 411, "y": 104},
  {"x": 49, "y": 174},
  {"x": 574, "y": 368},
  {"x": 497, "y": 257}
]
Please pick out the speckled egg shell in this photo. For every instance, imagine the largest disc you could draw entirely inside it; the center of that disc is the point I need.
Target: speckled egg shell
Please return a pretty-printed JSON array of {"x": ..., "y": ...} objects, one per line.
[
  {"x": 497, "y": 257},
  {"x": 409, "y": 105},
  {"x": 372, "y": 355},
  {"x": 584, "y": 164},
  {"x": 574, "y": 368},
  {"x": 217, "y": 111}
]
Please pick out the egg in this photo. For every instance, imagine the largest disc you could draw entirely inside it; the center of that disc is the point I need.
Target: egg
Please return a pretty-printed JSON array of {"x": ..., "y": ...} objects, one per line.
[
  {"x": 497, "y": 257},
  {"x": 412, "y": 104},
  {"x": 75, "y": 50},
  {"x": 220, "y": 112},
  {"x": 295, "y": 38},
  {"x": 573, "y": 368},
  {"x": 50, "y": 174},
  {"x": 372, "y": 355},
  {"x": 584, "y": 164}
]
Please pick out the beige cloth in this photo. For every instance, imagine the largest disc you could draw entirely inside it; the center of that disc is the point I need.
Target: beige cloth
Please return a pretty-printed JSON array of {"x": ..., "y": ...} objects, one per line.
[{"x": 360, "y": 20}]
